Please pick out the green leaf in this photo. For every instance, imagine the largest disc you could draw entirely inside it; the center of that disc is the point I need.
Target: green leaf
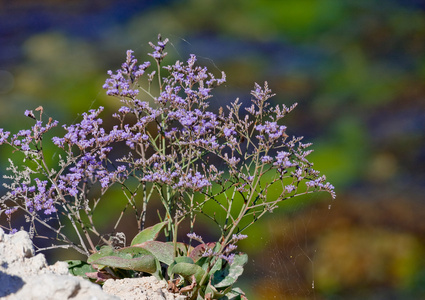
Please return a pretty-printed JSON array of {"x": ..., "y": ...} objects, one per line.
[
  {"x": 179, "y": 259},
  {"x": 104, "y": 251},
  {"x": 234, "y": 294},
  {"x": 187, "y": 270},
  {"x": 185, "y": 259},
  {"x": 214, "y": 293},
  {"x": 130, "y": 258},
  {"x": 228, "y": 276},
  {"x": 148, "y": 234},
  {"x": 79, "y": 268},
  {"x": 217, "y": 266},
  {"x": 182, "y": 248},
  {"x": 240, "y": 260},
  {"x": 143, "y": 264},
  {"x": 162, "y": 251},
  {"x": 203, "y": 262}
]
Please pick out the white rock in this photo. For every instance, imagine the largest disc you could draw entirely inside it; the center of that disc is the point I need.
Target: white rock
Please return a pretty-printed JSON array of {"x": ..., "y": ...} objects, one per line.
[
  {"x": 144, "y": 288},
  {"x": 52, "y": 286},
  {"x": 25, "y": 276}
]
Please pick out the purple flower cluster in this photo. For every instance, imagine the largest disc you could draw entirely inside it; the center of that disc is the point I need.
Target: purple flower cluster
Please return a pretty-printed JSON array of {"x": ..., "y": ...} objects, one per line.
[
  {"x": 208, "y": 248},
  {"x": 194, "y": 236},
  {"x": 193, "y": 181},
  {"x": 238, "y": 237},
  {"x": 158, "y": 54},
  {"x": 321, "y": 184},
  {"x": 178, "y": 178},
  {"x": 85, "y": 134},
  {"x": 228, "y": 257},
  {"x": 4, "y": 135},
  {"x": 282, "y": 160},
  {"x": 38, "y": 197},
  {"x": 94, "y": 144},
  {"x": 273, "y": 130},
  {"x": 169, "y": 142},
  {"x": 122, "y": 83},
  {"x": 27, "y": 139}
]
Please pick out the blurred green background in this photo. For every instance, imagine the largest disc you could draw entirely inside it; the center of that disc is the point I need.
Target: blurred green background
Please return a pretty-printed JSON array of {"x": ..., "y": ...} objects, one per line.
[{"x": 357, "y": 70}]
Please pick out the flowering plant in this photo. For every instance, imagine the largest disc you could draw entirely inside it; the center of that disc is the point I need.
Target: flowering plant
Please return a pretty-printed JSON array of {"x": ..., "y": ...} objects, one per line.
[{"x": 168, "y": 146}]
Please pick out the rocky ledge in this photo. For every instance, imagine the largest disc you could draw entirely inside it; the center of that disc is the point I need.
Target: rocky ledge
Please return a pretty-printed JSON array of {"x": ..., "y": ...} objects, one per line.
[{"x": 24, "y": 275}]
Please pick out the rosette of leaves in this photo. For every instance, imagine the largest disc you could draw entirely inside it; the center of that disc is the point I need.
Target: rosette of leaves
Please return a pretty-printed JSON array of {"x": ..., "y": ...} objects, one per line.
[{"x": 187, "y": 269}]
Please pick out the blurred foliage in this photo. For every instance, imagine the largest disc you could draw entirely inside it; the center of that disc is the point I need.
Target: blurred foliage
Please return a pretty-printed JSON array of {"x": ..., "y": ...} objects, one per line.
[
  {"x": 362, "y": 249},
  {"x": 357, "y": 70}
]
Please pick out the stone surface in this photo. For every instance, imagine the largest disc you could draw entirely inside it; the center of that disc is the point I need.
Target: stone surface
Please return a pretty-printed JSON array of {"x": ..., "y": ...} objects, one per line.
[
  {"x": 144, "y": 288},
  {"x": 24, "y": 275}
]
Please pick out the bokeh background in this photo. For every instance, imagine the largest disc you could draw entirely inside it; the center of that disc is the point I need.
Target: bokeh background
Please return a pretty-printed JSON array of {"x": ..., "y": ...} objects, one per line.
[{"x": 357, "y": 70}]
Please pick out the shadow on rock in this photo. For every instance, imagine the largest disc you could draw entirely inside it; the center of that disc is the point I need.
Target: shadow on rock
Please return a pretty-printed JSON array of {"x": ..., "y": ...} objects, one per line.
[{"x": 10, "y": 284}]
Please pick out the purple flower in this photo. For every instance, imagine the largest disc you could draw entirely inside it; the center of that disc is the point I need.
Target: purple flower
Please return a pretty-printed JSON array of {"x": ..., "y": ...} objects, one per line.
[
  {"x": 230, "y": 248},
  {"x": 173, "y": 143},
  {"x": 266, "y": 159},
  {"x": 282, "y": 160},
  {"x": 238, "y": 237},
  {"x": 321, "y": 184},
  {"x": 73, "y": 191},
  {"x": 233, "y": 161},
  {"x": 273, "y": 130},
  {"x": 229, "y": 258},
  {"x": 104, "y": 181},
  {"x": 158, "y": 54},
  {"x": 290, "y": 188},
  {"x": 3, "y": 136},
  {"x": 208, "y": 252},
  {"x": 29, "y": 113},
  {"x": 10, "y": 211},
  {"x": 194, "y": 236},
  {"x": 191, "y": 181},
  {"x": 124, "y": 110},
  {"x": 187, "y": 118},
  {"x": 229, "y": 131}
]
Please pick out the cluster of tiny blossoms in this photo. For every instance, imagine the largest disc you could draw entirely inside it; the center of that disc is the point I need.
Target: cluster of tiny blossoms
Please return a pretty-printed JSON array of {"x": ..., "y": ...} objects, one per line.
[
  {"x": 228, "y": 251},
  {"x": 173, "y": 144}
]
